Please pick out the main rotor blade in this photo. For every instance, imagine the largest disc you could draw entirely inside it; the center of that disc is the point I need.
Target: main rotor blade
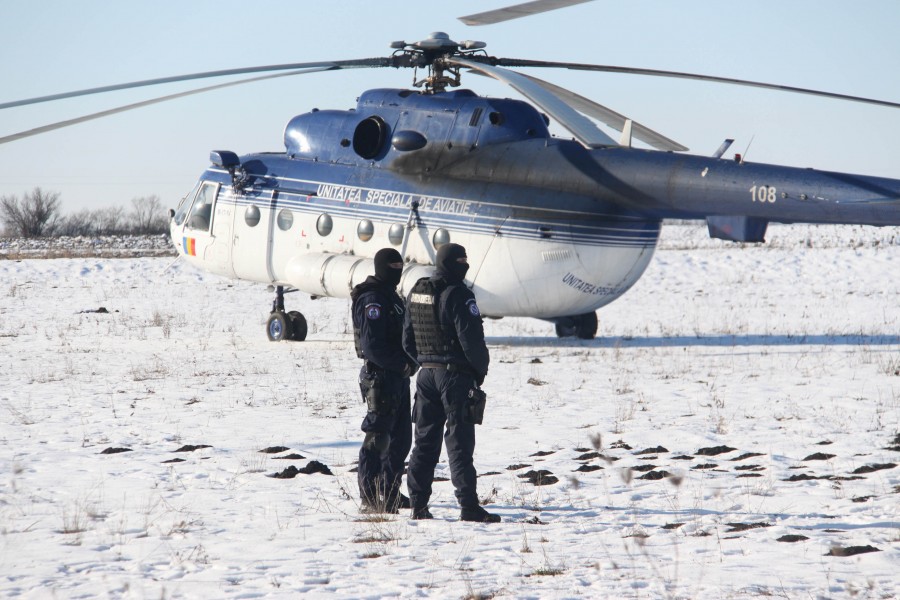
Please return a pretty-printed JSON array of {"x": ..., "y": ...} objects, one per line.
[
  {"x": 113, "y": 111},
  {"x": 519, "y": 10},
  {"x": 580, "y": 126},
  {"x": 515, "y": 62},
  {"x": 332, "y": 65},
  {"x": 610, "y": 117}
]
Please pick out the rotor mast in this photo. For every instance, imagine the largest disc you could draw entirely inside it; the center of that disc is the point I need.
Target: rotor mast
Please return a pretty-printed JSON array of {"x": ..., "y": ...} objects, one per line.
[{"x": 431, "y": 53}]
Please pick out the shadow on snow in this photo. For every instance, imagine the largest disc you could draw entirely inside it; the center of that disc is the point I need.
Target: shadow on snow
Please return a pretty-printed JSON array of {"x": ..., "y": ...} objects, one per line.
[{"x": 711, "y": 341}]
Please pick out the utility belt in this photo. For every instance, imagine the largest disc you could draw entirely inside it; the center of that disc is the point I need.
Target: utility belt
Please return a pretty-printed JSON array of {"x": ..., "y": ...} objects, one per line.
[
  {"x": 453, "y": 368},
  {"x": 477, "y": 399}
]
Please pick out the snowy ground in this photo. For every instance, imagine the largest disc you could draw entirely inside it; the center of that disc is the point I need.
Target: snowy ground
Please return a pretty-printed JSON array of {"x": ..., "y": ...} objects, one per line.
[
  {"x": 103, "y": 246},
  {"x": 733, "y": 433}
]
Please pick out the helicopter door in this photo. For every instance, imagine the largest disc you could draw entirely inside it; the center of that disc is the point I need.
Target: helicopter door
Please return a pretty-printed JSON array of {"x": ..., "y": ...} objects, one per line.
[
  {"x": 252, "y": 244},
  {"x": 207, "y": 229}
]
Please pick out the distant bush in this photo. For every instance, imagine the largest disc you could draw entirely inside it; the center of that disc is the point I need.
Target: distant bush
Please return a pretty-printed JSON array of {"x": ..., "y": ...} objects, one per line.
[
  {"x": 148, "y": 215},
  {"x": 37, "y": 215}
]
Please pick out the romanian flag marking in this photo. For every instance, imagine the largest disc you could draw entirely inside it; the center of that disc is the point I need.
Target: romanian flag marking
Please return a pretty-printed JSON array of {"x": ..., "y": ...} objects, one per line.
[{"x": 190, "y": 246}]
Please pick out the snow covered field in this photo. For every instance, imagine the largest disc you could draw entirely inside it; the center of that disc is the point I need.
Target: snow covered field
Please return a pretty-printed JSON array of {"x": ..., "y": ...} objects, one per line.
[
  {"x": 734, "y": 432},
  {"x": 103, "y": 246}
]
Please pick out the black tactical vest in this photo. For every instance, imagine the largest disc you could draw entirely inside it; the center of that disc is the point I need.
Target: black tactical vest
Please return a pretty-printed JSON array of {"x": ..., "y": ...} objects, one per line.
[{"x": 424, "y": 299}]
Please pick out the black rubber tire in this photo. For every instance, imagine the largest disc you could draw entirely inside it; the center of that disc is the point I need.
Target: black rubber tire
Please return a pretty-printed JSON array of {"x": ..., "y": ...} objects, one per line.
[
  {"x": 565, "y": 329},
  {"x": 298, "y": 326},
  {"x": 278, "y": 327},
  {"x": 586, "y": 326}
]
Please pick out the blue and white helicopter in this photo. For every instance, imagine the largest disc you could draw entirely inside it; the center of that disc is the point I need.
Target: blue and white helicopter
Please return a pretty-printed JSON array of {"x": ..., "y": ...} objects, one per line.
[{"x": 554, "y": 228}]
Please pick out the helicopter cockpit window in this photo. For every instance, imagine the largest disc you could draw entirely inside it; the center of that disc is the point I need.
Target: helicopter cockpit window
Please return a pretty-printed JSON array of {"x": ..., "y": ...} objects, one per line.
[
  {"x": 369, "y": 137},
  {"x": 185, "y": 205},
  {"x": 201, "y": 212}
]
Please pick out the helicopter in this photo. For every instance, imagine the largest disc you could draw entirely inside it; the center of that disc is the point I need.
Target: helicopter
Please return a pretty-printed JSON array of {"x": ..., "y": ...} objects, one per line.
[{"x": 555, "y": 228}]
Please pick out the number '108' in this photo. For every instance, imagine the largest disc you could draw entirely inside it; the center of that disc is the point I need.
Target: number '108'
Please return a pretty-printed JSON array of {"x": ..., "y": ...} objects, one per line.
[{"x": 763, "y": 193}]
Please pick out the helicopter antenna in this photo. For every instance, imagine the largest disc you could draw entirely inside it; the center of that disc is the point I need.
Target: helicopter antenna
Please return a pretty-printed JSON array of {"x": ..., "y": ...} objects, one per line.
[{"x": 747, "y": 149}]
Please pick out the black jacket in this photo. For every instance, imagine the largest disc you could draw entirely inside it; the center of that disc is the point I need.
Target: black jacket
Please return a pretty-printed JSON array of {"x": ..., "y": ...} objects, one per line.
[{"x": 378, "y": 313}]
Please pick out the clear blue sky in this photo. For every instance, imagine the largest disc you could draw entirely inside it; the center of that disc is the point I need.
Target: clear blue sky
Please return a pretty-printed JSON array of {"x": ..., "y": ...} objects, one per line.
[{"x": 56, "y": 46}]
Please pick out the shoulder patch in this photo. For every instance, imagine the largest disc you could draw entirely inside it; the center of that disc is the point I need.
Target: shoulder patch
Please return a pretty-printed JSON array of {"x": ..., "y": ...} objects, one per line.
[
  {"x": 473, "y": 308},
  {"x": 373, "y": 311}
]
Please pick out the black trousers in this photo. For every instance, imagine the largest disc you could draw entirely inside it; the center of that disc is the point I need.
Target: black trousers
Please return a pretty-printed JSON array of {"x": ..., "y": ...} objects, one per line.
[
  {"x": 388, "y": 439},
  {"x": 441, "y": 400}
]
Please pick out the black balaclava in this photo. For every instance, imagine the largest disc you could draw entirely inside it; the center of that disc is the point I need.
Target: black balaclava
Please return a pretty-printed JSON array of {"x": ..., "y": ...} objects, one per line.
[
  {"x": 385, "y": 272},
  {"x": 446, "y": 262}
]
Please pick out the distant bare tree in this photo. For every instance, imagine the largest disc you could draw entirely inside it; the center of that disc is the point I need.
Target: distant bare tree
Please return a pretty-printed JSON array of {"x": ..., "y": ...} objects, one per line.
[
  {"x": 147, "y": 215},
  {"x": 110, "y": 221},
  {"x": 80, "y": 223},
  {"x": 36, "y": 215}
]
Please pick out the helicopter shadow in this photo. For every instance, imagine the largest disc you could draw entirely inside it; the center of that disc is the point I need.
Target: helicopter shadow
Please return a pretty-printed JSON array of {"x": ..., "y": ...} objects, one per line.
[{"x": 700, "y": 341}]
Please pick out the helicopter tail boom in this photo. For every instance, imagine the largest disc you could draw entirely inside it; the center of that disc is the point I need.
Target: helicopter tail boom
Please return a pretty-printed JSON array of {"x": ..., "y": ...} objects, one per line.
[{"x": 738, "y": 199}]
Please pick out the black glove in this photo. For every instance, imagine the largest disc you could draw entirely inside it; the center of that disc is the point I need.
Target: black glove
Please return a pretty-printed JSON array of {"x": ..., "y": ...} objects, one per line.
[
  {"x": 410, "y": 369},
  {"x": 479, "y": 379}
]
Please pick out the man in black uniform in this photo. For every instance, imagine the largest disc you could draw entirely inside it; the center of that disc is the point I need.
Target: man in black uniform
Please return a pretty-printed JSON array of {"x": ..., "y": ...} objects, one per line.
[
  {"x": 444, "y": 332},
  {"x": 384, "y": 382}
]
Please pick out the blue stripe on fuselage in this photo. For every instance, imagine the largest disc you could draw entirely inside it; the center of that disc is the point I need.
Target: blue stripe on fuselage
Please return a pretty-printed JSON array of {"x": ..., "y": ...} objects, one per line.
[{"x": 470, "y": 216}]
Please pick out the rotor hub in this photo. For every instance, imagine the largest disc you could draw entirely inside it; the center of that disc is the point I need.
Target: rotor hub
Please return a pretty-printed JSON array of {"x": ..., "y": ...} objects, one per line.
[{"x": 431, "y": 53}]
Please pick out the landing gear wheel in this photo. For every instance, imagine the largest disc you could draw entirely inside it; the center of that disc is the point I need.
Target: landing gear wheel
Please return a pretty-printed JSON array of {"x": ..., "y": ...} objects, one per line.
[
  {"x": 278, "y": 327},
  {"x": 283, "y": 325},
  {"x": 565, "y": 329},
  {"x": 584, "y": 327},
  {"x": 298, "y": 326}
]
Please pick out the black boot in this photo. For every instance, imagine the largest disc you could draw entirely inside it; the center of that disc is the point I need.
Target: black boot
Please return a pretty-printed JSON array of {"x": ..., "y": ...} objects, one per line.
[
  {"x": 421, "y": 513},
  {"x": 399, "y": 501},
  {"x": 478, "y": 515}
]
